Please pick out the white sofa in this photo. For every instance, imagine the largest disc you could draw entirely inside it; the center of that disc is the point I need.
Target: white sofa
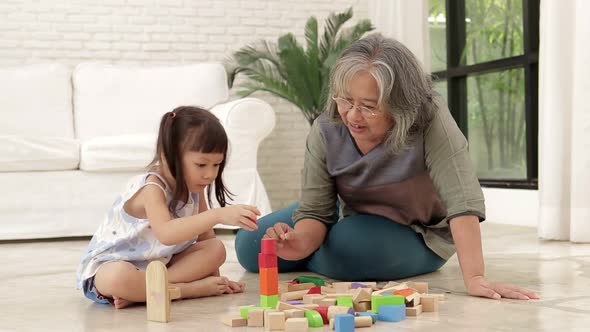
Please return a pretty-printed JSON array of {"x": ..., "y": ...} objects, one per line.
[{"x": 71, "y": 138}]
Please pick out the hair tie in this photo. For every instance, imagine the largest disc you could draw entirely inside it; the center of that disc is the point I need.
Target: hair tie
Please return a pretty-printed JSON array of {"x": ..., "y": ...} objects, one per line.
[{"x": 173, "y": 115}]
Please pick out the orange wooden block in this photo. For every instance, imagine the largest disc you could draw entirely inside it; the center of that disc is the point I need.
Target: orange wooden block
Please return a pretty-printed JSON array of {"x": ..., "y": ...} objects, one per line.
[
  {"x": 269, "y": 281},
  {"x": 404, "y": 292}
]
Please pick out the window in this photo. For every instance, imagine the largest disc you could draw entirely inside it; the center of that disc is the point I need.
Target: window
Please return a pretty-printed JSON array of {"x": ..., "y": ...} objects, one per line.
[{"x": 484, "y": 59}]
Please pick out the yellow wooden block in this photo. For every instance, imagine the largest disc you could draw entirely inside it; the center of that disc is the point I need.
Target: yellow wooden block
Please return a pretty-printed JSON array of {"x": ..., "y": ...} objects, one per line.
[
  {"x": 157, "y": 295},
  {"x": 296, "y": 325},
  {"x": 234, "y": 321},
  {"x": 294, "y": 313},
  {"x": 429, "y": 303},
  {"x": 256, "y": 318},
  {"x": 276, "y": 321}
]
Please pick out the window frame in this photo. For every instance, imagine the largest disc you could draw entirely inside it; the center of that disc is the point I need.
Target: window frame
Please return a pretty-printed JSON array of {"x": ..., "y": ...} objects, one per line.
[{"x": 457, "y": 73}]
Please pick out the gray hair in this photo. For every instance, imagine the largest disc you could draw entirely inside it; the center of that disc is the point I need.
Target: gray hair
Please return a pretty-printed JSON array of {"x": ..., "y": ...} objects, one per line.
[{"x": 405, "y": 90}]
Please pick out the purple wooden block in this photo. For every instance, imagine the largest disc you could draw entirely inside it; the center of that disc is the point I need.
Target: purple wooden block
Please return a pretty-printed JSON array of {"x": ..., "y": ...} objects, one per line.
[
  {"x": 356, "y": 285},
  {"x": 294, "y": 302}
]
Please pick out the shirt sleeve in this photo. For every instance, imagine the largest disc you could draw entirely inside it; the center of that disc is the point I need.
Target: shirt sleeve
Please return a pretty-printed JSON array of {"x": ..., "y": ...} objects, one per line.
[
  {"x": 318, "y": 193},
  {"x": 450, "y": 167}
]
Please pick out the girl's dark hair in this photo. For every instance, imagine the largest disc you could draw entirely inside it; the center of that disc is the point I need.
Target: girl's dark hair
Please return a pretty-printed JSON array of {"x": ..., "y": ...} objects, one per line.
[{"x": 189, "y": 128}]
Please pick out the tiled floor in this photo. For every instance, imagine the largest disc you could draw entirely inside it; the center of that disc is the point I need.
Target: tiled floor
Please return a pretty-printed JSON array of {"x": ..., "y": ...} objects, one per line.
[{"x": 37, "y": 291}]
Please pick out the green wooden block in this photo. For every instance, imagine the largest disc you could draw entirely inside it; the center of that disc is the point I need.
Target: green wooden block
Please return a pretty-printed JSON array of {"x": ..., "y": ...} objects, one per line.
[
  {"x": 316, "y": 280},
  {"x": 345, "y": 301},
  {"x": 269, "y": 301},
  {"x": 377, "y": 300},
  {"x": 314, "y": 319},
  {"x": 245, "y": 309}
]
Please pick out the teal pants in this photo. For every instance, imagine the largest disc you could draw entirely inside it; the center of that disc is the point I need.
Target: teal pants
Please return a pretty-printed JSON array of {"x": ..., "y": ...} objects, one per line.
[{"x": 358, "y": 247}]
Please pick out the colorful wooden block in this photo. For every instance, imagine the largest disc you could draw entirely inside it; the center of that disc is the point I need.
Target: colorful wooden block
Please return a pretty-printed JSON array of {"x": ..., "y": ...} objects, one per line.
[
  {"x": 344, "y": 323},
  {"x": 268, "y": 246},
  {"x": 336, "y": 310},
  {"x": 276, "y": 321},
  {"x": 378, "y": 300},
  {"x": 234, "y": 321},
  {"x": 404, "y": 292},
  {"x": 414, "y": 311},
  {"x": 323, "y": 311},
  {"x": 392, "y": 312},
  {"x": 316, "y": 280},
  {"x": 269, "y": 301},
  {"x": 296, "y": 295},
  {"x": 314, "y": 319},
  {"x": 296, "y": 325},
  {"x": 344, "y": 301},
  {"x": 267, "y": 261},
  {"x": 256, "y": 318},
  {"x": 304, "y": 286},
  {"x": 368, "y": 314},
  {"x": 269, "y": 281},
  {"x": 315, "y": 290}
]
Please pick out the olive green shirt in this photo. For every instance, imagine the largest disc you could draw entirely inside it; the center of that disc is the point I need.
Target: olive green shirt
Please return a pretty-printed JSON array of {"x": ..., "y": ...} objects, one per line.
[{"x": 423, "y": 187}]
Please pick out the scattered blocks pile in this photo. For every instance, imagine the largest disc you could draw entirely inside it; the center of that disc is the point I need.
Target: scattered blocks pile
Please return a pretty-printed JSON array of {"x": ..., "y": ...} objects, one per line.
[{"x": 310, "y": 302}]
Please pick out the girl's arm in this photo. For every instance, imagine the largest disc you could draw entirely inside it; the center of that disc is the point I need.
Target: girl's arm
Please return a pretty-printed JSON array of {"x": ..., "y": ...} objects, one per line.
[
  {"x": 210, "y": 234},
  {"x": 170, "y": 231},
  {"x": 467, "y": 237}
]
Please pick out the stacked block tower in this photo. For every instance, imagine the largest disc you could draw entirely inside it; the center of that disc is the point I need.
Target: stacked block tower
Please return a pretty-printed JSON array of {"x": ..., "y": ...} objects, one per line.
[{"x": 269, "y": 274}]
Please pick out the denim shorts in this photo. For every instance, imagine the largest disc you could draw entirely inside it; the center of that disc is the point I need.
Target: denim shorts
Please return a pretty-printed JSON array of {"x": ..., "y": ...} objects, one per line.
[{"x": 92, "y": 293}]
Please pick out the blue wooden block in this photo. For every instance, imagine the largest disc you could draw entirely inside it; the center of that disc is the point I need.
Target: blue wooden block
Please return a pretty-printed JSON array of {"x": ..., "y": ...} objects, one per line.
[
  {"x": 344, "y": 323},
  {"x": 392, "y": 312},
  {"x": 368, "y": 313}
]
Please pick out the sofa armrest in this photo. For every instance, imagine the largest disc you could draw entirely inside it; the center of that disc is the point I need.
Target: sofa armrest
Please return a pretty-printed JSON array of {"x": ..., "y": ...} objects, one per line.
[{"x": 247, "y": 122}]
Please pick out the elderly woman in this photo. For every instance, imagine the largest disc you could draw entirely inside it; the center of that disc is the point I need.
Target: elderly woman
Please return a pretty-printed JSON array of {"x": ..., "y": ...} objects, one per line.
[{"x": 388, "y": 188}]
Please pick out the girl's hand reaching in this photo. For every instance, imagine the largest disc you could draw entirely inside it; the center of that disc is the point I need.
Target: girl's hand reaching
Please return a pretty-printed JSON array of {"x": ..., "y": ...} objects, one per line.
[
  {"x": 478, "y": 286},
  {"x": 243, "y": 216}
]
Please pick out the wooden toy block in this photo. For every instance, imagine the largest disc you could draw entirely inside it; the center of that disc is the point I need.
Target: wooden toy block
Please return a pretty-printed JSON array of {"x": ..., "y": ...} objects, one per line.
[
  {"x": 404, "y": 292},
  {"x": 298, "y": 287},
  {"x": 267, "y": 260},
  {"x": 361, "y": 294},
  {"x": 244, "y": 310},
  {"x": 268, "y": 246},
  {"x": 392, "y": 312},
  {"x": 157, "y": 295},
  {"x": 315, "y": 290},
  {"x": 368, "y": 314},
  {"x": 429, "y": 303},
  {"x": 413, "y": 300},
  {"x": 297, "y": 295},
  {"x": 414, "y": 311},
  {"x": 276, "y": 321},
  {"x": 269, "y": 281},
  {"x": 335, "y": 295},
  {"x": 328, "y": 290},
  {"x": 174, "y": 292},
  {"x": 326, "y": 302},
  {"x": 256, "y": 318},
  {"x": 294, "y": 313},
  {"x": 336, "y": 310},
  {"x": 377, "y": 301},
  {"x": 296, "y": 324},
  {"x": 269, "y": 301},
  {"x": 283, "y": 287},
  {"x": 401, "y": 286},
  {"x": 341, "y": 287},
  {"x": 363, "y": 284},
  {"x": 309, "y": 298},
  {"x": 362, "y": 306},
  {"x": 234, "y": 321},
  {"x": 420, "y": 287},
  {"x": 316, "y": 280},
  {"x": 323, "y": 311},
  {"x": 266, "y": 313},
  {"x": 363, "y": 321},
  {"x": 314, "y": 319},
  {"x": 344, "y": 323},
  {"x": 282, "y": 306},
  {"x": 345, "y": 301},
  {"x": 391, "y": 284}
]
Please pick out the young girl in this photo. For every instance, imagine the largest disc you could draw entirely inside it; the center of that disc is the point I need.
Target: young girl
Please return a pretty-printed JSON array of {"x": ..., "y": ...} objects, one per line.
[{"x": 162, "y": 216}]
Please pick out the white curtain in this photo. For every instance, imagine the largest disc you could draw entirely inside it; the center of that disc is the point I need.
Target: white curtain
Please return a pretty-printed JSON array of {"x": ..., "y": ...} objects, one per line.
[
  {"x": 404, "y": 20},
  {"x": 564, "y": 121}
]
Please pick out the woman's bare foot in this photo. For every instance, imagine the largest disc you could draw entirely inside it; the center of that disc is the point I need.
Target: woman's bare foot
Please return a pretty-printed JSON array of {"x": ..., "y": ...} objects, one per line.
[
  {"x": 210, "y": 286},
  {"x": 121, "y": 303},
  {"x": 235, "y": 287}
]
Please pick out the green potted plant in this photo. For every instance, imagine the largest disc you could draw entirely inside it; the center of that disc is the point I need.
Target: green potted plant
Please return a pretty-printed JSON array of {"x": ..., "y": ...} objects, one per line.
[{"x": 287, "y": 70}]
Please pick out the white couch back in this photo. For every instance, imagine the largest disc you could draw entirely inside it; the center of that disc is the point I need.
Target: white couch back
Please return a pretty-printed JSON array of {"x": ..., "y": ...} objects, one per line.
[{"x": 116, "y": 100}]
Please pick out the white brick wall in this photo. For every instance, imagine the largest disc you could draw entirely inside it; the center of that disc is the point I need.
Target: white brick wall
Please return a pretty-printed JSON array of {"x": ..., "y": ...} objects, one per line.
[{"x": 171, "y": 32}]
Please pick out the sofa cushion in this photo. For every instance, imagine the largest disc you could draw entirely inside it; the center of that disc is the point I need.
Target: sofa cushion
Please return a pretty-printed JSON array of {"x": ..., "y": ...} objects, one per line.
[
  {"x": 21, "y": 154},
  {"x": 36, "y": 101},
  {"x": 118, "y": 153},
  {"x": 113, "y": 100}
]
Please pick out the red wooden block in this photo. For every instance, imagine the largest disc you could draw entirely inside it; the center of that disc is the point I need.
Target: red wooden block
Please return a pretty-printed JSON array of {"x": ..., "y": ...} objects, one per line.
[
  {"x": 266, "y": 260},
  {"x": 324, "y": 313},
  {"x": 315, "y": 290},
  {"x": 268, "y": 246},
  {"x": 269, "y": 281},
  {"x": 404, "y": 292}
]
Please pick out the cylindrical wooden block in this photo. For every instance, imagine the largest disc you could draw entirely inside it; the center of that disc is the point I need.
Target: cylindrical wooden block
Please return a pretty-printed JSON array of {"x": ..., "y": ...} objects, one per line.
[
  {"x": 290, "y": 296},
  {"x": 362, "y": 306},
  {"x": 363, "y": 321}
]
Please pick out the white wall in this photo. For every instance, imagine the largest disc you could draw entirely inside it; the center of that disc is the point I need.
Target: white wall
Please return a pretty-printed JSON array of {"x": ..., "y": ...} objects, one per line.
[{"x": 172, "y": 32}]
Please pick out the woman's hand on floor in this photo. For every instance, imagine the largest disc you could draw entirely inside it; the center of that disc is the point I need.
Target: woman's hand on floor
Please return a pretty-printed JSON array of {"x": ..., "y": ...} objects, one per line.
[
  {"x": 290, "y": 243},
  {"x": 478, "y": 286}
]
